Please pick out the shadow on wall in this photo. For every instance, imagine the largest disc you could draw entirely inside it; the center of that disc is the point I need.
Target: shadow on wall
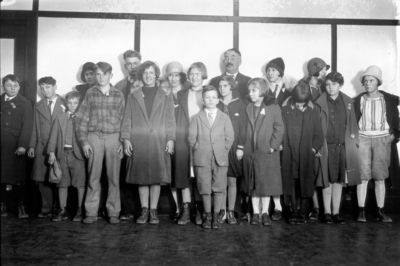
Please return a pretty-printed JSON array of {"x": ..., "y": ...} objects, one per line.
[{"x": 356, "y": 84}]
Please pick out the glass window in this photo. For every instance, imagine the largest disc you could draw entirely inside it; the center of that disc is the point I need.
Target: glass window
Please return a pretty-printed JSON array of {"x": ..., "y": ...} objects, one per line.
[
  {"x": 295, "y": 44},
  {"x": 186, "y": 42},
  {"x": 65, "y": 44},
  {"x": 16, "y": 5},
  {"x": 7, "y": 58}
]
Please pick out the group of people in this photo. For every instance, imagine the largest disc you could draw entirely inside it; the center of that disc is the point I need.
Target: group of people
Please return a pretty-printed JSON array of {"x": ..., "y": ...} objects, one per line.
[{"x": 236, "y": 139}]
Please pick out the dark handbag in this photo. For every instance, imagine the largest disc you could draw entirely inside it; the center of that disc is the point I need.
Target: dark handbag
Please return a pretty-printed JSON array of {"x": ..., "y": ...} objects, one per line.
[{"x": 55, "y": 172}]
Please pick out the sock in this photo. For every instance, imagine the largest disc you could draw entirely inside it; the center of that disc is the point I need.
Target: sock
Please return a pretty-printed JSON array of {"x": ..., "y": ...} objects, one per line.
[
  {"x": 207, "y": 203},
  {"x": 256, "y": 204},
  {"x": 362, "y": 193},
  {"x": 380, "y": 190},
  {"x": 265, "y": 204},
  {"x": 81, "y": 192},
  {"x": 217, "y": 201},
  {"x": 277, "y": 201},
  {"x": 62, "y": 195}
]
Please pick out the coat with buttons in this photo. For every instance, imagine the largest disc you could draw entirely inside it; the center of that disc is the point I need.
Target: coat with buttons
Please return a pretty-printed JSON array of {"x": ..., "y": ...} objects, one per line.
[
  {"x": 42, "y": 123},
  {"x": 16, "y": 129},
  {"x": 351, "y": 143},
  {"x": 149, "y": 163}
]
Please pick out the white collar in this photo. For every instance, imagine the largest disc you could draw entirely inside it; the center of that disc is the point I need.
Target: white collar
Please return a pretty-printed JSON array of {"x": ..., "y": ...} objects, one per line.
[
  {"x": 233, "y": 75},
  {"x": 7, "y": 98},
  {"x": 214, "y": 112},
  {"x": 53, "y": 100}
]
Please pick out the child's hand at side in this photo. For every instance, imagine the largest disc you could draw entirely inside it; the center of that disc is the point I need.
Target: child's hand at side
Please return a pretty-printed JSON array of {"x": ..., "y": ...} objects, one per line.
[
  {"x": 170, "y": 147},
  {"x": 120, "y": 152},
  {"x": 31, "y": 153},
  {"x": 128, "y": 147},
  {"x": 87, "y": 150},
  {"x": 239, "y": 154},
  {"x": 52, "y": 158},
  {"x": 20, "y": 151}
]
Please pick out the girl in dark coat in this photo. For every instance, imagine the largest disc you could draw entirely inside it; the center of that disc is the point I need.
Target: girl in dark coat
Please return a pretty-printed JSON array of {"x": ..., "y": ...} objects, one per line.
[
  {"x": 259, "y": 146},
  {"x": 235, "y": 108},
  {"x": 148, "y": 132},
  {"x": 302, "y": 142},
  {"x": 16, "y": 129}
]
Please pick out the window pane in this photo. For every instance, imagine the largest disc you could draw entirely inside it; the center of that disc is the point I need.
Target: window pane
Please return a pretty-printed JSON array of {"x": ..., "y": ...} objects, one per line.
[
  {"x": 181, "y": 7},
  {"x": 7, "y": 58},
  {"x": 360, "y": 9},
  {"x": 16, "y": 4},
  {"x": 362, "y": 46},
  {"x": 296, "y": 44},
  {"x": 64, "y": 45},
  {"x": 186, "y": 42}
]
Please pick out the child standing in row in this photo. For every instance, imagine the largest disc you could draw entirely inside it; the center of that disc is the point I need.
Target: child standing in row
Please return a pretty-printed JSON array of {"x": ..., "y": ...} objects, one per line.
[
  {"x": 259, "y": 145},
  {"x": 211, "y": 136},
  {"x": 64, "y": 142},
  {"x": 235, "y": 108}
]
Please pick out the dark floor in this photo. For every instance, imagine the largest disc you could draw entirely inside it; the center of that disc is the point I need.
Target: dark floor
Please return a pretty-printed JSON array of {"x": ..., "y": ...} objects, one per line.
[{"x": 42, "y": 242}]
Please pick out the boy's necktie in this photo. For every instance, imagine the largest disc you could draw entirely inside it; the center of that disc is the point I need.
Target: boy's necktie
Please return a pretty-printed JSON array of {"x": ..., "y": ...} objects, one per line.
[
  {"x": 49, "y": 105},
  {"x": 210, "y": 119}
]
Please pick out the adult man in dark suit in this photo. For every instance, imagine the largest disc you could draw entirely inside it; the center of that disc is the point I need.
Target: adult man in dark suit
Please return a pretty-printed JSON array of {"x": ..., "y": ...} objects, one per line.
[{"x": 232, "y": 61}]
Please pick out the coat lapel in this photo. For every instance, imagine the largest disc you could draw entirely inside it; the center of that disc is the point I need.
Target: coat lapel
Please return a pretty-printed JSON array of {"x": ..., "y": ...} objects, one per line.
[
  {"x": 183, "y": 102},
  {"x": 57, "y": 108},
  {"x": 204, "y": 119},
  {"x": 250, "y": 112},
  {"x": 158, "y": 99},
  {"x": 138, "y": 95},
  {"x": 43, "y": 109},
  {"x": 260, "y": 118},
  {"x": 63, "y": 119}
]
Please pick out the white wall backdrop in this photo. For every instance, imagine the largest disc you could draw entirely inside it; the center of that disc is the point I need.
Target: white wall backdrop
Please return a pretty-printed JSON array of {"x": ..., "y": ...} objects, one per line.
[{"x": 65, "y": 44}]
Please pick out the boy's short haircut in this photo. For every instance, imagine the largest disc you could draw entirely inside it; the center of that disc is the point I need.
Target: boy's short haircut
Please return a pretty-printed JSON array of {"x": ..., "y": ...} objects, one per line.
[
  {"x": 301, "y": 93},
  {"x": 335, "y": 77},
  {"x": 11, "y": 77},
  {"x": 132, "y": 53},
  {"x": 47, "y": 80},
  {"x": 103, "y": 66},
  {"x": 234, "y": 50},
  {"x": 228, "y": 79},
  {"x": 208, "y": 88},
  {"x": 263, "y": 84},
  {"x": 147, "y": 65},
  {"x": 73, "y": 94},
  {"x": 199, "y": 66}
]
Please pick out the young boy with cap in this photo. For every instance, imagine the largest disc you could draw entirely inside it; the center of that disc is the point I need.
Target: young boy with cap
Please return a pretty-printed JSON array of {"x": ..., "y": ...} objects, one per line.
[
  {"x": 378, "y": 121},
  {"x": 98, "y": 125},
  {"x": 16, "y": 128},
  {"x": 89, "y": 77},
  {"x": 44, "y": 114},
  {"x": 64, "y": 143}
]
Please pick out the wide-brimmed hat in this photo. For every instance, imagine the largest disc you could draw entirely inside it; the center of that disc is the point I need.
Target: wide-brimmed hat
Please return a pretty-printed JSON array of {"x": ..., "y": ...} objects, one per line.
[
  {"x": 174, "y": 67},
  {"x": 374, "y": 71},
  {"x": 87, "y": 66},
  {"x": 315, "y": 65}
]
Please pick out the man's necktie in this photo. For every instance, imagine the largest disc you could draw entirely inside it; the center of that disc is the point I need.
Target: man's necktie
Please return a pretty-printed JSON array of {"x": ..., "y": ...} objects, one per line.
[
  {"x": 210, "y": 119},
  {"x": 49, "y": 105}
]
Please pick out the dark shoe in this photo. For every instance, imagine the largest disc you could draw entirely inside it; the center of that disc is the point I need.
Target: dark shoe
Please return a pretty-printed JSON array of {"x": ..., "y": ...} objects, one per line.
[
  {"x": 216, "y": 222},
  {"x": 337, "y": 220},
  {"x": 327, "y": 218},
  {"x": 3, "y": 210},
  {"x": 126, "y": 217},
  {"x": 277, "y": 215},
  {"x": 222, "y": 216},
  {"x": 175, "y": 216},
  {"x": 265, "y": 219},
  {"x": 255, "y": 219},
  {"x": 144, "y": 216},
  {"x": 361, "y": 215},
  {"x": 199, "y": 216},
  {"x": 293, "y": 219},
  {"x": 21, "y": 211},
  {"x": 230, "y": 217},
  {"x": 90, "y": 220},
  {"x": 44, "y": 215},
  {"x": 101, "y": 214},
  {"x": 382, "y": 216},
  {"x": 185, "y": 217},
  {"x": 207, "y": 221},
  {"x": 314, "y": 215},
  {"x": 78, "y": 216},
  {"x": 153, "y": 217},
  {"x": 114, "y": 220},
  {"x": 61, "y": 215},
  {"x": 301, "y": 219}
]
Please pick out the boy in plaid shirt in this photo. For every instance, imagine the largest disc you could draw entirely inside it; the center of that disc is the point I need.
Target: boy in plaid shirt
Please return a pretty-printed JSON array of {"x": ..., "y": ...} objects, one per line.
[{"x": 98, "y": 123}]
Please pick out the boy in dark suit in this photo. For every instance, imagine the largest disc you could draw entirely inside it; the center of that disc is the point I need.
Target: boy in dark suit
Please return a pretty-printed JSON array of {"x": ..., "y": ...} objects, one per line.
[
  {"x": 210, "y": 137},
  {"x": 45, "y": 112},
  {"x": 63, "y": 141},
  {"x": 16, "y": 128}
]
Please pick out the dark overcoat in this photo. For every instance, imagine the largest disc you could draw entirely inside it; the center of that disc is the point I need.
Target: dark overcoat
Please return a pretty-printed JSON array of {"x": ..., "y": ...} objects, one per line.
[
  {"x": 149, "y": 163},
  {"x": 311, "y": 137},
  {"x": 16, "y": 129},
  {"x": 182, "y": 148},
  {"x": 42, "y": 123},
  {"x": 351, "y": 142},
  {"x": 58, "y": 135},
  {"x": 393, "y": 119},
  {"x": 261, "y": 168}
]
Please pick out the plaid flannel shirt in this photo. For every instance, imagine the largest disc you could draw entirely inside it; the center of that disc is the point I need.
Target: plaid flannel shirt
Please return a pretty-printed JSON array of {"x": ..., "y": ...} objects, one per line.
[{"x": 100, "y": 113}]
